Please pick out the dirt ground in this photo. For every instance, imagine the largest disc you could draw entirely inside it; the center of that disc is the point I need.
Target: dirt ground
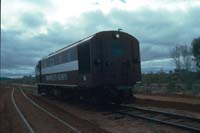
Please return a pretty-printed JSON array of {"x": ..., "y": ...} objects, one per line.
[
  {"x": 170, "y": 98},
  {"x": 88, "y": 119},
  {"x": 10, "y": 121},
  {"x": 41, "y": 122},
  {"x": 114, "y": 123},
  {"x": 178, "y": 102}
]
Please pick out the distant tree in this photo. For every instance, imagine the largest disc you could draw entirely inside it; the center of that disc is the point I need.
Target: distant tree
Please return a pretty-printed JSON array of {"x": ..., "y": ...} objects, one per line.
[
  {"x": 176, "y": 54},
  {"x": 182, "y": 57},
  {"x": 196, "y": 51},
  {"x": 186, "y": 53}
]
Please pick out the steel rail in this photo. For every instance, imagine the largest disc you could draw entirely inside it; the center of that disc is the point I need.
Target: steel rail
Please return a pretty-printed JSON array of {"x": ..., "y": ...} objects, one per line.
[
  {"x": 20, "y": 113},
  {"x": 50, "y": 114},
  {"x": 173, "y": 115},
  {"x": 162, "y": 112}
]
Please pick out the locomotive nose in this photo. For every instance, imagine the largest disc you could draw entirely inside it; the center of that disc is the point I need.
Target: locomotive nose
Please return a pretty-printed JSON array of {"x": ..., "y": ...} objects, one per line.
[{"x": 114, "y": 59}]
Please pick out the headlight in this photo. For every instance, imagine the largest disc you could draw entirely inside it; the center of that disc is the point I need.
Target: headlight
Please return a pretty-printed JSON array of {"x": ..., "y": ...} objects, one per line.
[{"x": 117, "y": 35}]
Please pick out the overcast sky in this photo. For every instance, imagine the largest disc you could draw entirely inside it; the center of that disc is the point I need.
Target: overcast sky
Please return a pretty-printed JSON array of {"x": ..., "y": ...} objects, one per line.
[{"x": 31, "y": 29}]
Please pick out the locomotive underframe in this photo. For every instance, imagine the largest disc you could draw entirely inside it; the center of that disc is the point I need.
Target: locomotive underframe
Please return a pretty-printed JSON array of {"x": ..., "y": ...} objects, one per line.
[{"x": 101, "y": 94}]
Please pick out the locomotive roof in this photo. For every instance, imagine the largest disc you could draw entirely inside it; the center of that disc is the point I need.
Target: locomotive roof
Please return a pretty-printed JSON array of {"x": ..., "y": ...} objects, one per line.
[
  {"x": 68, "y": 47},
  {"x": 80, "y": 41}
]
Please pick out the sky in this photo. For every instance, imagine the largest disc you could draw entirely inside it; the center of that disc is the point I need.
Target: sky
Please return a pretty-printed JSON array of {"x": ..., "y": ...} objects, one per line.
[{"x": 31, "y": 29}]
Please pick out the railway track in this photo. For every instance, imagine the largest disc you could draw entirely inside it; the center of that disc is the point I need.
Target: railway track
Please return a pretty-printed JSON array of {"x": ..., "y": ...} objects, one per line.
[
  {"x": 185, "y": 122},
  {"x": 28, "y": 125}
]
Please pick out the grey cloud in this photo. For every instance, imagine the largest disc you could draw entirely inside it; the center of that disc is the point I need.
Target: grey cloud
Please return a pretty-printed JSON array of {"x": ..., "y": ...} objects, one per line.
[
  {"x": 154, "y": 26},
  {"x": 33, "y": 19},
  {"x": 57, "y": 34},
  {"x": 157, "y": 31},
  {"x": 19, "y": 53},
  {"x": 41, "y": 2},
  {"x": 161, "y": 30},
  {"x": 94, "y": 21},
  {"x": 158, "y": 65},
  {"x": 150, "y": 51},
  {"x": 123, "y": 1},
  {"x": 17, "y": 72}
]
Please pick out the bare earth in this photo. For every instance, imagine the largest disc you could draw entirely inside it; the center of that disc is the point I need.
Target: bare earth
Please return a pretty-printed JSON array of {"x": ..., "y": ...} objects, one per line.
[
  {"x": 86, "y": 119},
  {"x": 10, "y": 121},
  {"x": 39, "y": 120},
  {"x": 177, "y": 102},
  {"x": 172, "y": 98},
  {"x": 111, "y": 122}
]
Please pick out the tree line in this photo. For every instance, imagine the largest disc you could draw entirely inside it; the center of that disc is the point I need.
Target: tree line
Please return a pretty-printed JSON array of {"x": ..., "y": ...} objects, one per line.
[
  {"x": 186, "y": 77},
  {"x": 184, "y": 56}
]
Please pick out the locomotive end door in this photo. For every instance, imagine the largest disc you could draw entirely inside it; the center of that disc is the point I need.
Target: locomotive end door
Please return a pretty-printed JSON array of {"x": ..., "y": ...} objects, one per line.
[
  {"x": 114, "y": 60},
  {"x": 118, "y": 69}
]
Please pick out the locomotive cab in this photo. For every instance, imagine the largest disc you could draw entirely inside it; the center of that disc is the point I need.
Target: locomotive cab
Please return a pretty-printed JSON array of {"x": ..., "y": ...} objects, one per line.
[{"x": 115, "y": 61}]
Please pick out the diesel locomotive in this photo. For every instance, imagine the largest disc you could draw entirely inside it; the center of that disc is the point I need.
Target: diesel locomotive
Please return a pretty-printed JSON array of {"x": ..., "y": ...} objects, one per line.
[{"x": 102, "y": 67}]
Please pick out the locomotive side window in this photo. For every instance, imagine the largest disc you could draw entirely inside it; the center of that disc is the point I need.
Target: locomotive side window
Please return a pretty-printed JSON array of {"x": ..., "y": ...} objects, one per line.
[
  {"x": 84, "y": 58},
  {"x": 73, "y": 54},
  {"x": 63, "y": 57},
  {"x": 60, "y": 76},
  {"x": 70, "y": 55}
]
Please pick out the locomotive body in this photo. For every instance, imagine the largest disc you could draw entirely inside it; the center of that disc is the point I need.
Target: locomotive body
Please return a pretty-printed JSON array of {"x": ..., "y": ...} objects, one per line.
[{"x": 103, "y": 66}]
